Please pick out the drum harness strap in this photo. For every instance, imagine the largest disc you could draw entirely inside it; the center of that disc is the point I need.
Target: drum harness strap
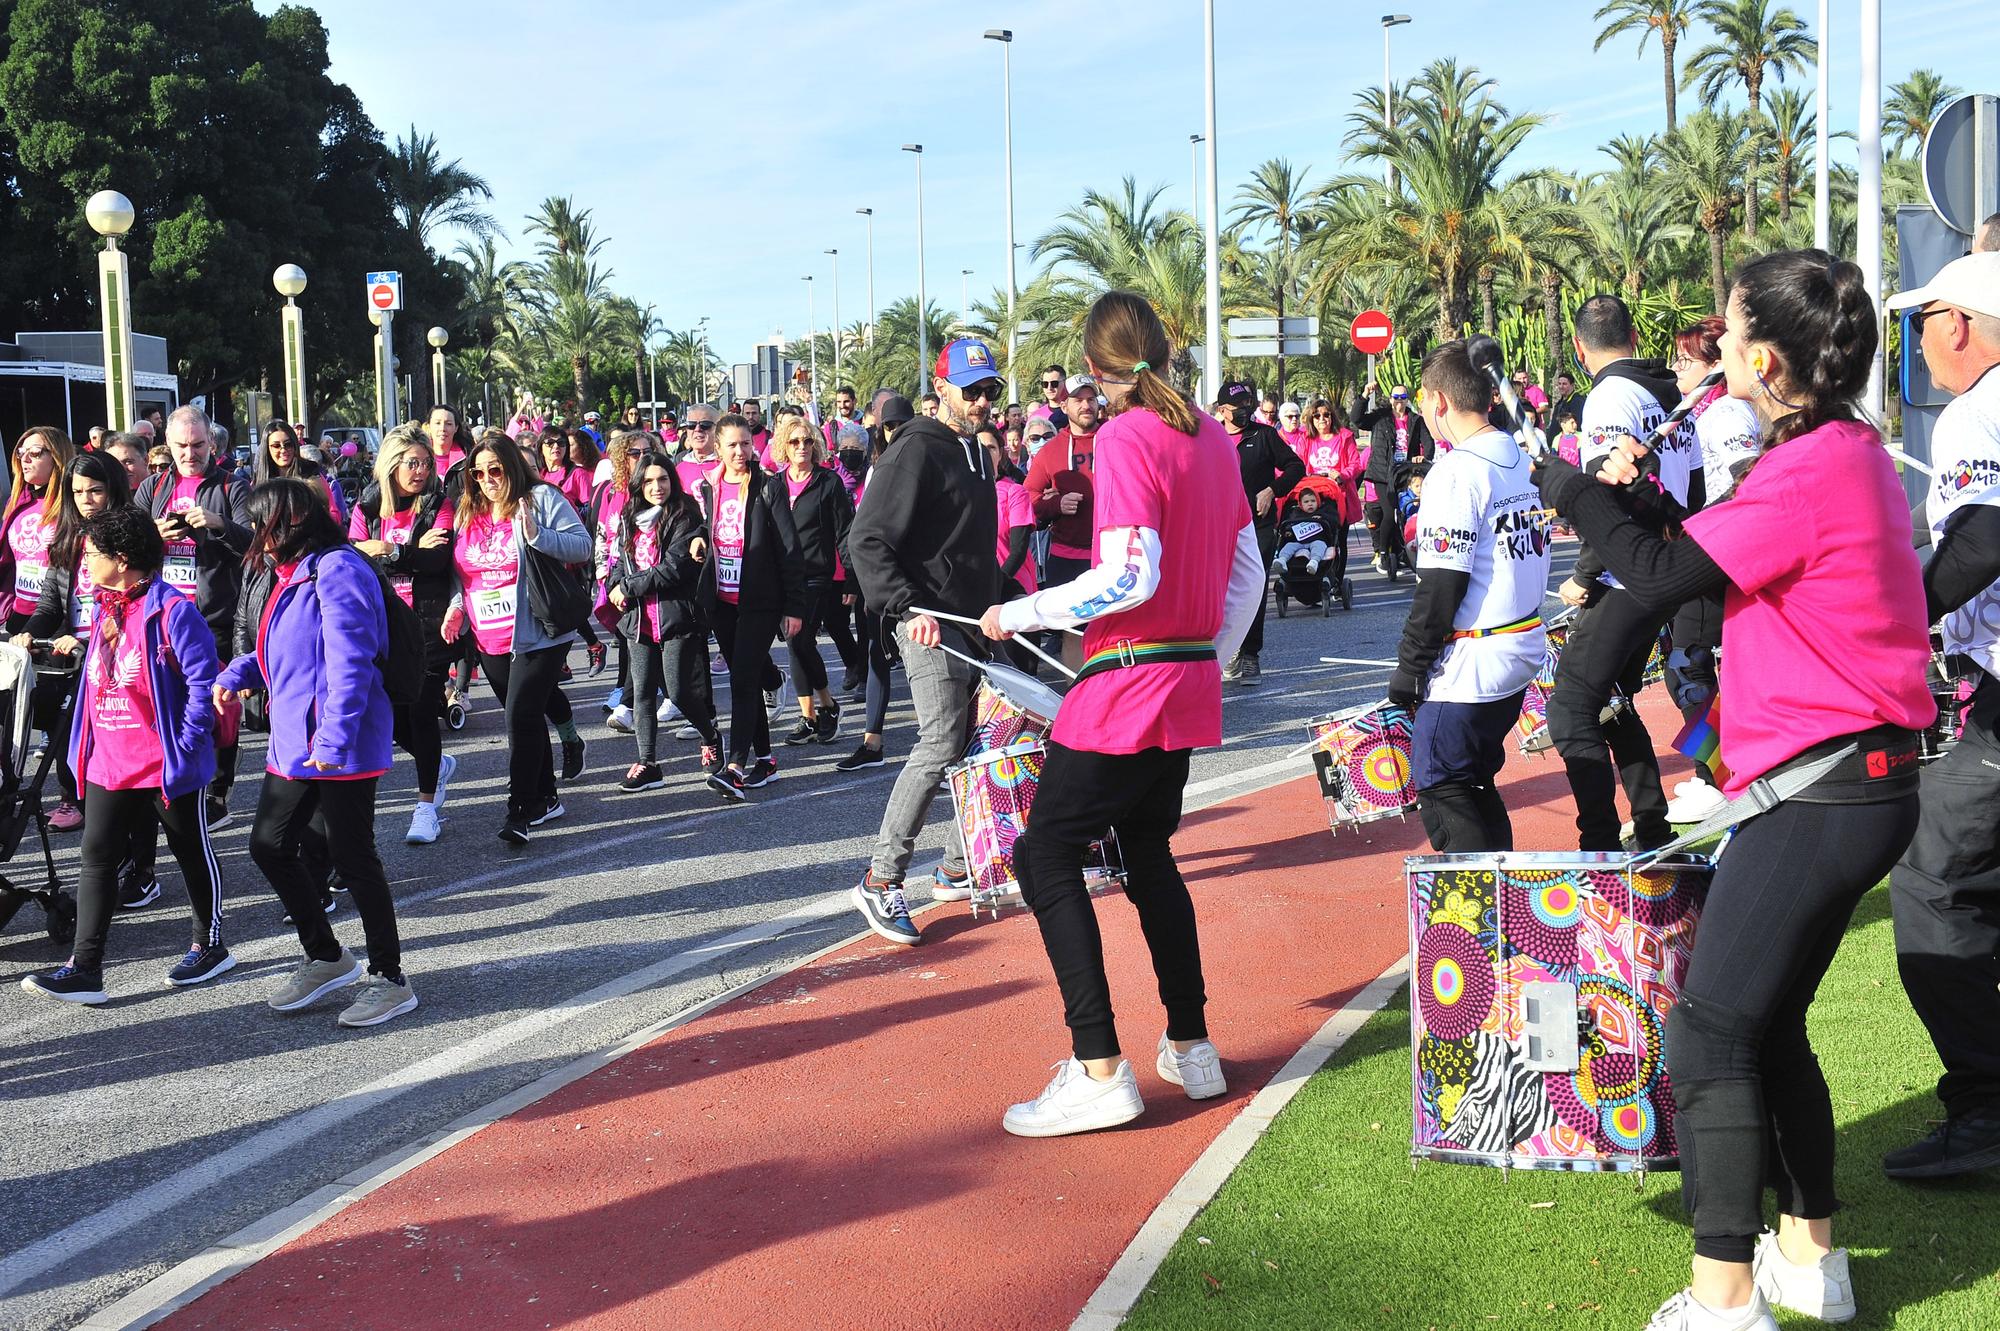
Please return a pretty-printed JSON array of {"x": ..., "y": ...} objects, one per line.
[
  {"x": 1518, "y": 626},
  {"x": 1126, "y": 653},
  {"x": 1763, "y": 795}
]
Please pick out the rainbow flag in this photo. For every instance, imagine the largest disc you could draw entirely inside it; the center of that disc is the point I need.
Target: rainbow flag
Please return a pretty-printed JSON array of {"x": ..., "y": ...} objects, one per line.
[{"x": 1701, "y": 739}]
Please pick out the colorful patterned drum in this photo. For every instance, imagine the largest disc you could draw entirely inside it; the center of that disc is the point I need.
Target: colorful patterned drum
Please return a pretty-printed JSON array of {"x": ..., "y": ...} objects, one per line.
[
  {"x": 1534, "y": 723},
  {"x": 1363, "y": 761},
  {"x": 1541, "y": 990},
  {"x": 1010, "y": 706},
  {"x": 991, "y": 794}
]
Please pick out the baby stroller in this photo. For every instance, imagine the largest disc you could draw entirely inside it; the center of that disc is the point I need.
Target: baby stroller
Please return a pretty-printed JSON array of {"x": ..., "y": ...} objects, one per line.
[
  {"x": 21, "y": 792},
  {"x": 1295, "y": 582}
]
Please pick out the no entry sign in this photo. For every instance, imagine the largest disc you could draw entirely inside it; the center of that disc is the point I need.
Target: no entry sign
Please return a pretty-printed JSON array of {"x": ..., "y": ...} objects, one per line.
[
  {"x": 385, "y": 291},
  {"x": 1372, "y": 332}
]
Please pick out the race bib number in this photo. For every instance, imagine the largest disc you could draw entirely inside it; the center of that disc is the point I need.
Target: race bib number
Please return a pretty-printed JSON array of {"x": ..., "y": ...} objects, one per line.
[
  {"x": 28, "y": 580},
  {"x": 493, "y": 608},
  {"x": 728, "y": 572},
  {"x": 405, "y": 587},
  {"x": 179, "y": 568}
]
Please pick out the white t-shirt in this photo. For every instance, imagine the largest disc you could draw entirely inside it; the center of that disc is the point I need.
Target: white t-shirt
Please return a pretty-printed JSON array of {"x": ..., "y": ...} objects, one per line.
[
  {"x": 1481, "y": 515},
  {"x": 1965, "y": 451},
  {"x": 1727, "y": 431},
  {"x": 1618, "y": 407}
]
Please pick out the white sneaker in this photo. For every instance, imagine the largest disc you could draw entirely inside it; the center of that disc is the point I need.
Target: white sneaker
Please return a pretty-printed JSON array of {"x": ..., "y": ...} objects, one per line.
[
  {"x": 1684, "y": 1313},
  {"x": 447, "y": 769},
  {"x": 423, "y": 826},
  {"x": 1077, "y": 1102},
  {"x": 1823, "y": 1290},
  {"x": 667, "y": 717},
  {"x": 1198, "y": 1071},
  {"x": 620, "y": 720},
  {"x": 1312, "y": 566},
  {"x": 1693, "y": 801}
]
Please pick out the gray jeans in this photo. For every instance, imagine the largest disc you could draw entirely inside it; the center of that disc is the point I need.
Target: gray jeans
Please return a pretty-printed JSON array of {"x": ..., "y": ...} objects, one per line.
[{"x": 941, "y": 686}]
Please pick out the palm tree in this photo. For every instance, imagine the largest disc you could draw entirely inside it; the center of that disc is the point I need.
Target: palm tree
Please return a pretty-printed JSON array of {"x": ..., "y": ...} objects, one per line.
[
  {"x": 427, "y": 193},
  {"x": 1636, "y": 157},
  {"x": 492, "y": 293},
  {"x": 1753, "y": 43},
  {"x": 1369, "y": 121},
  {"x": 685, "y": 357},
  {"x": 1275, "y": 195},
  {"x": 576, "y": 322},
  {"x": 1708, "y": 160},
  {"x": 1794, "y": 138},
  {"x": 1913, "y": 104},
  {"x": 1669, "y": 18},
  {"x": 564, "y": 230},
  {"x": 1631, "y": 223}
]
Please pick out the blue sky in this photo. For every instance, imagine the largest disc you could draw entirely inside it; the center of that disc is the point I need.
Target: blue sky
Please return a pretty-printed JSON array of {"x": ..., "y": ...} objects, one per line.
[{"x": 723, "y": 146}]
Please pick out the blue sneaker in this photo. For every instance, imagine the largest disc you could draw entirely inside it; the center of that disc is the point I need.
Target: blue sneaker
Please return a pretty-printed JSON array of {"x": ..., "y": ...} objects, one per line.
[
  {"x": 200, "y": 963},
  {"x": 947, "y": 885},
  {"x": 883, "y": 907},
  {"x": 67, "y": 984}
]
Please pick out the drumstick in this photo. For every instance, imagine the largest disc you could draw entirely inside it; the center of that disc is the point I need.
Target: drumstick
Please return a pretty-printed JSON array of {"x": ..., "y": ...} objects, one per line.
[
  {"x": 1907, "y": 460},
  {"x": 961, "y": 619},
  {"x": 1650, "y": 464},
  {"x": 1347, "y": 715}
]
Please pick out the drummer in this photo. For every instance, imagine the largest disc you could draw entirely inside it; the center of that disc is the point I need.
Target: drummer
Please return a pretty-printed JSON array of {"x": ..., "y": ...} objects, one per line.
[
  {"x": 1823, "y": 613},
  {"x": 1474, "y": 637},
  {"x": 1176, "y": 581}
]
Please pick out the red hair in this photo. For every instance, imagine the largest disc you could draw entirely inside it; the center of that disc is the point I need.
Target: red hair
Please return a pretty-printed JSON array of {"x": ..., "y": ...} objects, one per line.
[{"x": 1703, "y": 342}]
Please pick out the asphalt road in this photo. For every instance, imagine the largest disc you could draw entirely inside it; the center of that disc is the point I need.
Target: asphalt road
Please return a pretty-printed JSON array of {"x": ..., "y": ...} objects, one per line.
[{"x": 136, "y": 1134}]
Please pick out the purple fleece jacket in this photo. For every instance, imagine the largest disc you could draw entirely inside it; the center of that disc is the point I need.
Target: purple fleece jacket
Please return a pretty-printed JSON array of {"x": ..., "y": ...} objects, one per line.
[{"x": 180, "y": 668}]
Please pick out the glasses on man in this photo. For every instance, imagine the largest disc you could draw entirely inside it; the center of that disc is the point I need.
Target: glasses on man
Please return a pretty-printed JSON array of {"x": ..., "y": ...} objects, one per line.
[
  {"x": 699, "y": 425},
  {"x": 1052, "y": 383},
  {"x": 1917, "y": 322},
  {"x": 1399, "y": 397},
  {"x": 990, "y": 389}
]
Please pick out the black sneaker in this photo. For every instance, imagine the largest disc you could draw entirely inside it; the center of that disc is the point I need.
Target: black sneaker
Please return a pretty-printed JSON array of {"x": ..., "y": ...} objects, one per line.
[
  {"x": 1249, "y": 668},
  {"x": 67, "y": 984},
  {"x": 514, "y": 832},
  {"x": 762, "y": 773},
  {"x": 868, "y": 755},
  {"x": 728, "y": 783},
  {"x": 596, "y": 654},
  {"x": 217, "y": 813},
  {"x": 853, "y": 687},
  {"x": 642, "y": 776},
  {"x": 200, "y": 963},
  {"x": 1962, "y": 1145},
  {"x": 572, "y": 758},
  {"x": 803, "y": 733},
  {"x": 711, "y": 759},
  {"x": 138, "y": 892},
  {"x": 827, "y": 724},
  {"x": 886, "y": 913},
  {"x": 554, "y": 811}
]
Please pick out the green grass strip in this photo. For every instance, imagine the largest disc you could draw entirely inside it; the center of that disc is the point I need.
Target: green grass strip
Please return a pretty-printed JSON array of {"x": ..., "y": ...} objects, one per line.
[{"x": 1327, "y": 1226}]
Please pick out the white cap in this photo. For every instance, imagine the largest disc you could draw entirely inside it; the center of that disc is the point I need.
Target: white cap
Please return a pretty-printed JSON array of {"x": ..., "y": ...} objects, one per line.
[
  {"x": 1971, "y": 283},
  {"x": 1076, "y": 383}
]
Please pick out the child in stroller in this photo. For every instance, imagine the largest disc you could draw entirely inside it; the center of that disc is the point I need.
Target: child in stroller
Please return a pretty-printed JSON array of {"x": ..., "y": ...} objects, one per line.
[{"x": 1309, "y": 568}]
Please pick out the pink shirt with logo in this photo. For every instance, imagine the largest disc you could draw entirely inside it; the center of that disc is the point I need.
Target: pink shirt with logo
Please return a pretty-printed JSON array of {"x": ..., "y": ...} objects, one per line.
[
  {"x": 489, "y": 569},
  {"x": 727, "y": 528},
  {"x": 1016, "y": 510},
  {"x": 645, "y": 554},
  {"x": 1190, "y": 491},
  {"x": 28, "y": 537},
  {"x": 125, "y": 751},
  {"x": 693, "y": 471},
  {"x": 397, "y": 529},
  {"x": 1824, "y": 614}
]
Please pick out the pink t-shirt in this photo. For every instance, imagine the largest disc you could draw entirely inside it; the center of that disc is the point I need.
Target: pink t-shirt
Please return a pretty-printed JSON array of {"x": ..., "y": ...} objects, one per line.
[
  {"x": 645, "y": 554},
  {"x": 692, "y": 472},
  {"x": 396, "y": 530},
  {"x": 575, "y": 485},
  {"x": 125, "y": 749},
  {"x": 728, "y": 528},
  {"x": 489, "y": 569},
  {"x": 28, "y": 537},
  {"x": 179, "y": 568},
  {"x": 1016, "y": 510},
  {"x": 1190, "y": 491},
  {"x": 82, "y": 600},
  {"x": 1824, "y": 614},
  {"x": 1296, "y": 439},
  {"x": 794, "y": 487}
]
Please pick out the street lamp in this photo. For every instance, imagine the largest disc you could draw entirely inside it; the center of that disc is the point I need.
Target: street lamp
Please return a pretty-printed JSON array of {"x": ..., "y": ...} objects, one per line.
[
  {"x": 923, "y": 329},
  {"x": 1822, "y": 163},
  {"x": 1005, "y": 37},
  {"x": 437, "y": 337},
  {"x": 869, "y": 213},
  {"x": 111, "y": 215},
  {"x": 1211, "y": 374},
  {"x": 1389, "y": 92},
  {"x": 385, "y": 388},
  {"x": 1868, "y": 214},
  {"x": 701, "y": 366},
  {"x": 965, "y": 299},
  {"x": 290, "y": 280},
  {"x": 835, "y": 252},
  {"x": 812, "y": 344},
  {"x": 1194, "y": 187}
]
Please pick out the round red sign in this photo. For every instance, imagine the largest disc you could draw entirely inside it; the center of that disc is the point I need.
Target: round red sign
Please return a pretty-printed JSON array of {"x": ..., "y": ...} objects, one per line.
[
  {"x": 382, "y": 296},
  {"x": 1372, "y": 332}
]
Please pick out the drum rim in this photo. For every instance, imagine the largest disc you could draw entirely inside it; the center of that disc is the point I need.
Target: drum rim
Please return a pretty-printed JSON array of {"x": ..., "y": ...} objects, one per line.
[
  {"x": 1622, "y": 1164},
  {"x": 1005, "y": 680},
  {"x": 987, "y": 757},
  {"x": 1590, "y": 859}
]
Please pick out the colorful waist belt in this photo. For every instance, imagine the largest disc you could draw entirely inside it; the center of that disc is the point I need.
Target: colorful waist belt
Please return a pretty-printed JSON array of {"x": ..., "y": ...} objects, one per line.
[
  {"x": 1128, "y": 653},
  {"x": 1518, "y": 626}
]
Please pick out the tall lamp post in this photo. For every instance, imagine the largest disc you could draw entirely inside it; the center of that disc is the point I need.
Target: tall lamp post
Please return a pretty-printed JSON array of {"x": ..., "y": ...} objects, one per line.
[
  {"x": 111, "y": 215},
  {"x": 923, "y": 300},
  {"x": 835, "y": 253},
  {"x": 701, "y": 364},
  {"x": 290, "y": 280},
  {"x": 869, "y": 336},
  {"x": 1389, "y": 92},
  {"x": 1194, "y": 176},
  {"x": 1211, "y": 375},
  {"x": 812, "y": 345},
  {"x": 1005, "y": 36},
  {"x": 1822, "y": 162},
  {"x": 1868, "y": 213},
  {"x": 965, "y": 299},
  {"x": 437, "y": 337}
]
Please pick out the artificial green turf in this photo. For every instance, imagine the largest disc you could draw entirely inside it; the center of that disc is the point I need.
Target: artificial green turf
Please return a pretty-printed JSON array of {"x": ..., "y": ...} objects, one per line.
[{"x": 1327, "y": 1226}]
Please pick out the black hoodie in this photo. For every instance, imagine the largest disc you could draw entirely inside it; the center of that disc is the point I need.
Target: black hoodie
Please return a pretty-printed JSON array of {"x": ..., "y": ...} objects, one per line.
[{"x": 926, "y": 533}]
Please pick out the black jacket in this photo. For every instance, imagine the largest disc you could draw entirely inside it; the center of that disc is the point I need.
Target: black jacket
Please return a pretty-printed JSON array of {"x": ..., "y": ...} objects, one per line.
[
  {"x": 1268, "y": 463},
  {"x": 927, "y": 531},
  {"x": 1383, "y": 469},
  {"x": 51, "y": 615},
  {"x": 1650, "y": 506},
  {"x": 674, "y": 581},
  {"x": 429, "y": 571},
  {"x": 773, "y": 579},
  {"x": 219, "y": 550},
  {"x": 821, "y": 515}
]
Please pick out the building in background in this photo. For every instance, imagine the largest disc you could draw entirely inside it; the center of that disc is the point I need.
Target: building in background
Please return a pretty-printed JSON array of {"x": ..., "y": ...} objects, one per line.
[{"x": 58, "y": 379}]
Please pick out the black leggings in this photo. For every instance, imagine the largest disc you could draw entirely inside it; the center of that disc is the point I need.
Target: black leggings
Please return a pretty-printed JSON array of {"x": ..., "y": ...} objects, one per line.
[
  {"x": 1606, "y": 653},
  {"x": 528, "y": 690},
  {"x": 111, "y": 821},
  {"x": 878, "y": 675},
  {"x": 745, "y": 638},
  {"x": 1082, "y": 795},
  {"x": 1385, "y": 528},
  {"x": 285, "y": 808},
  {"x": 1754, "y": 1108},
  {"x": 681, "y": 664},
  {"x": 418, "y": 732},
  {"x": 808, "y": 670},
  {"x": 842, "y": 624}
]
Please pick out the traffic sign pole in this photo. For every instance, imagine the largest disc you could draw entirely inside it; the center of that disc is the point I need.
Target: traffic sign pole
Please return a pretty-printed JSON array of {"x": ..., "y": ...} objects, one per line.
[{"x": 385, "y": 297}]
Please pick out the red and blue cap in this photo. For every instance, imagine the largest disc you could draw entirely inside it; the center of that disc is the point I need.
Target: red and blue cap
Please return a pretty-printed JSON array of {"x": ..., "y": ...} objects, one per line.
[{"x": 965, "y": 361}]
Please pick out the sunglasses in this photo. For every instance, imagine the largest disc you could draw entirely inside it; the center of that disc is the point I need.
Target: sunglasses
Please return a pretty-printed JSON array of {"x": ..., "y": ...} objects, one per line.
[
  {"x": 990, "y": 389},
  {"x": 1052, "y": 383},
  {"x": 1399, "y": 397},
  {"x": 1917, "y": 321},
  {"x": 414, "y": 461},
  {"x": 699, "y": 425},
  {"x": 489, "y": 473}
]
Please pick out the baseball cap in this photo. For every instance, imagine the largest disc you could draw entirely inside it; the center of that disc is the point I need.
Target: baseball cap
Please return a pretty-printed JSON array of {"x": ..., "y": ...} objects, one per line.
[
  {"x": 590, "y": 416},
  {"x": 895, "y": 411},
  {"x": 1288, "y": 408},
  {"x": 1076, "y": 383},
  {"x": 1238, "y": 388},
  {"x": 965, "y": 361},
  {"x": 1971, "y": 283}
]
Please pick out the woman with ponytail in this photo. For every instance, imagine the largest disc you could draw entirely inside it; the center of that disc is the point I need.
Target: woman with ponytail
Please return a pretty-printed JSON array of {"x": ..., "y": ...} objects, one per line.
[
  {"x": 1823, "y": 611},
  {"x": 1176, "y": 579}
]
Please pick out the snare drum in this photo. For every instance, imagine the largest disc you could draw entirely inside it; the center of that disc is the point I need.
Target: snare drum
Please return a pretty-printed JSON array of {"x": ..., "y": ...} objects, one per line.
[
  {"x": 991, "y": 795},
  {"x": 1010, "y": 706},
  {"x": 1363, "y": 761},
  {"x": 1542, "y": 987}
]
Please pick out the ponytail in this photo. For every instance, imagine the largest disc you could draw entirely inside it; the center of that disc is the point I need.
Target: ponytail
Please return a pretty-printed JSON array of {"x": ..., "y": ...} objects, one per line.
[
  {"x": 1816, "y": 311},
  {"x": 1122, "y": 335}
]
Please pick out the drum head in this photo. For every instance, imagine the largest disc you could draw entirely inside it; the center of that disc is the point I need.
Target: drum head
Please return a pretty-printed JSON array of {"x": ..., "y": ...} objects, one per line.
[{"x": 1023, "y": 690}]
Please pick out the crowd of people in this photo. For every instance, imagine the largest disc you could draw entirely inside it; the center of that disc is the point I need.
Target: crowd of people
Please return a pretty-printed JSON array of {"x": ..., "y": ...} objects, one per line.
[{"x": 1733, "y": 493}]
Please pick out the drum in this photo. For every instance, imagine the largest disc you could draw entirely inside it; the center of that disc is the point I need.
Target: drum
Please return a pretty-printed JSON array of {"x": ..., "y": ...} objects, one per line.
[
  {"x": 1656, "y": 660},
  {"x": 1010, "y": 706},
  {"x": 1542, "y": 984},
  {"x": 1534, "y": 723},
  {"x": 1363, "y": 760},
  {"x": 991, "y": 795}
]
